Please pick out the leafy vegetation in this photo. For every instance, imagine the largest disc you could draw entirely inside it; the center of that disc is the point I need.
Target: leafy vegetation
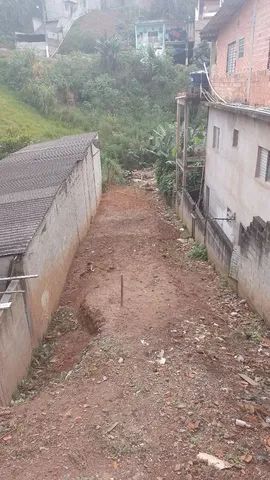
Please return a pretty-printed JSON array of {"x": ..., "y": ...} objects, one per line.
[
  {"x": 121, "y": 94},
  {"x": 21, "y": 124},
  {"x": 198, "y": 252}
]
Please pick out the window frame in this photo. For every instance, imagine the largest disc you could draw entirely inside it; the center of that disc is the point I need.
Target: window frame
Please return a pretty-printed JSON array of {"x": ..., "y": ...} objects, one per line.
[
  {"x": 266, "y": 177},
  {"x": 241, "y": 47},
  {"x": 231, "y": 63}
]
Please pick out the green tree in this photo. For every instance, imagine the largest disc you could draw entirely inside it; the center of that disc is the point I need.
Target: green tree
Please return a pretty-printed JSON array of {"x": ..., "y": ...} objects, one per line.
[{"x": 109, "y": 50}]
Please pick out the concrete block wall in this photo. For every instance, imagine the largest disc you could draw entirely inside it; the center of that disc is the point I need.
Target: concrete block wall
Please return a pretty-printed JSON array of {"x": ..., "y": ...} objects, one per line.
[
  {"x": 253, "y": 281},
  {"x": 15, "y": 343},
  {"x": 207, "y": 232},
  {"x": 254, "y": 269}
]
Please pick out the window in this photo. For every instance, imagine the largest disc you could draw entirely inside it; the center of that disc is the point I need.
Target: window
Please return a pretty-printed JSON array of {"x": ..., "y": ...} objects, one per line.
[
  {"x": 152, "y": 37},
  {"x": 241, "y": 48},
  {"x": 263, "y": 164},
  {"x": 231, "y": 58},
  {"x": 216, "y": 135},
  {"x": 235, "y": 138}
]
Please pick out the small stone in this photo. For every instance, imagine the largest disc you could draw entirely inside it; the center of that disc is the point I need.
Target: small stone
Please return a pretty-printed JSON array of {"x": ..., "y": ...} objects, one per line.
[
  {"x": 177, "y": 467},
  {"x": 242, "y": 423},
  {"x": 181, "y": 405},
  {"x": 240, "y": 358},
  {"x": 121, "y": 360}
]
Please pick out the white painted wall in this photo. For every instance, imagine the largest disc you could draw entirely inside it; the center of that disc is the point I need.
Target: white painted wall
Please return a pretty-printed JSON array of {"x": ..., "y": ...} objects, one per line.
[
  {"x": 230, "y": 172},
  {"x": 51, "y": 251}
]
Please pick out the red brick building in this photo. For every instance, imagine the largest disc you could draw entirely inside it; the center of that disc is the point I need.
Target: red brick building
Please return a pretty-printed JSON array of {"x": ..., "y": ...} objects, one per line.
[{"x": 240, "y": 36}]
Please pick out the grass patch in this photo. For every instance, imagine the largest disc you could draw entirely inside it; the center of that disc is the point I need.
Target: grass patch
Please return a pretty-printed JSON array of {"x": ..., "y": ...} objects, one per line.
[
  {"x": 198, "y": 252},
  {"x": 18, "y": 118}
]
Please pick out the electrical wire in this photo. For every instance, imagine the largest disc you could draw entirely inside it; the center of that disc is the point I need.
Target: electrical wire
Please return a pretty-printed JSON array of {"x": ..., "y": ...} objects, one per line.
[{"x": 212, "y": 88}]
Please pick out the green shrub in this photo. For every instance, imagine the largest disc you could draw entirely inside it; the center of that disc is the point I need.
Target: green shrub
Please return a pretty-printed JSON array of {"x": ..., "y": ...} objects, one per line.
[
  {"x": 12, "y": 142},
  {"x": 198, "y": 252}
]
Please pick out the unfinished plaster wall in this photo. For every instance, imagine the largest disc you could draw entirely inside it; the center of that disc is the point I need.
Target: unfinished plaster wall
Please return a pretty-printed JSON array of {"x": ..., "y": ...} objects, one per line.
[
  {"x": 230, "y": 171},
  {"x": 52, "y": 249},
  {"x": 15, "y": 343}
]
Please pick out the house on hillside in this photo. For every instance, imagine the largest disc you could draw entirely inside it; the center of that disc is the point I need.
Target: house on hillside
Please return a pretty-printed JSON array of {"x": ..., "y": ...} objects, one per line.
[
  {"x": 163, "y": 36},
  {"x": 234, "y": 216},
  {"x": 150, "y": 34},
  {"x": 204, "y": 11},
  {"x": 51, "y": 24},
  {"x": 49, "y": 194}
]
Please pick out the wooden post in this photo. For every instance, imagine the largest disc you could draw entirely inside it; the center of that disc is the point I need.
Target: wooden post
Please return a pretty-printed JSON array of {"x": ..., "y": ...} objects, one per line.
[
  {"x": 122, "y": 290},
  {"x": 177, "y": 145},
  {"x": 185, "y": 144}
]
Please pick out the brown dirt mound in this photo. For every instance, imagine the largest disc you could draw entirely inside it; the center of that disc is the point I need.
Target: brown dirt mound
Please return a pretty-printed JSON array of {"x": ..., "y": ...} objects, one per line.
[{"x": 90, "y": 318}]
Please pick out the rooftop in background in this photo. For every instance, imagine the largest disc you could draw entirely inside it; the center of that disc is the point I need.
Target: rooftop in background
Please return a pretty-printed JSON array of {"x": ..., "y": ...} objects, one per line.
[
  {"x": 222, "y": 17},
  {"x": 30, "y": 179}
]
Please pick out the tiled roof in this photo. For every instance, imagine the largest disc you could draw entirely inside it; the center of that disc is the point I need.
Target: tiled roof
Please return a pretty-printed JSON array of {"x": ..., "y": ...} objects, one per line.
[
  {"x": 222, "y": 17},
  {"x": 29, "y": 180}
]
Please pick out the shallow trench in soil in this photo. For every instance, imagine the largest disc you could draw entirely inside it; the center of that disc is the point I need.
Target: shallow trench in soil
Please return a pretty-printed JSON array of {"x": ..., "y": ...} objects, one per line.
[{"x": 137, "y": 392}]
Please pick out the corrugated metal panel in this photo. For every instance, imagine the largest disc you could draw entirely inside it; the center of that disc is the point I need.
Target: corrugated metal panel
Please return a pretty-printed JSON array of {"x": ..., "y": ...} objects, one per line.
[{"x": 29, "y": 180}]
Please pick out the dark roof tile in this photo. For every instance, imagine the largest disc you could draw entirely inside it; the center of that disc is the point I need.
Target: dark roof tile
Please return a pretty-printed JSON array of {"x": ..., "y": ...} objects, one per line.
[{"x": 29, "y": 180}]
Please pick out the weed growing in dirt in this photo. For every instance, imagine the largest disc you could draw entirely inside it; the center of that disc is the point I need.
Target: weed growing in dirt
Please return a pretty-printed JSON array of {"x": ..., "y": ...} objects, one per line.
[
  {"x": 198, "y": 252},
  {"x": 62, "y": 322},
  {"x": 254, "y": 332}
]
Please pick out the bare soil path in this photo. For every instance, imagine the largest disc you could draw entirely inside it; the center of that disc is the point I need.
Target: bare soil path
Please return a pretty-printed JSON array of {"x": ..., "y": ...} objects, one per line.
[{"x": 160, "y": 382}]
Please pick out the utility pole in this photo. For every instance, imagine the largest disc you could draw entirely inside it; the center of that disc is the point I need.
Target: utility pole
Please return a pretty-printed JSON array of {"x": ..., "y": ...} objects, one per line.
[{"x": 44, "y": 21}]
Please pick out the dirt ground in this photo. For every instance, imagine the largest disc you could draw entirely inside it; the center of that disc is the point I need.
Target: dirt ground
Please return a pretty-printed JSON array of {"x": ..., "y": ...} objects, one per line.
[{"x": 159, "y": 382}]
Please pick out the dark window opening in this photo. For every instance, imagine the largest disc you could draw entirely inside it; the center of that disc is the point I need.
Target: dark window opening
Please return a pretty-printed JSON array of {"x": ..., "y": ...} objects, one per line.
[
  {"x": 235, "y": 137},
  {"x": 216, "y": 137},
  {"x": 207, "y": 200}
]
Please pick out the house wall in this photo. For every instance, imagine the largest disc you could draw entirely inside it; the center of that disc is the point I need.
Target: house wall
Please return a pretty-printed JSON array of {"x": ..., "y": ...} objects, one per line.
[
  {"x": 15, "y": 343},
  {"x": 206, "y": 232},
  {"x": 51, "y": 251},
  {"x": 142, "y": 35},
  {"x": 40, "y": 48},
  {"x": 250, "y": 82},
  {"x": 230, "y": 171}
]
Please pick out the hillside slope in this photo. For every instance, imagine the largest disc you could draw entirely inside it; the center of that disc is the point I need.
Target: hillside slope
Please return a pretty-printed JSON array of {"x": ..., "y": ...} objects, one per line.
[
  {"x": 96, "y": 25},
  {"x": 20, "y": 119}
]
